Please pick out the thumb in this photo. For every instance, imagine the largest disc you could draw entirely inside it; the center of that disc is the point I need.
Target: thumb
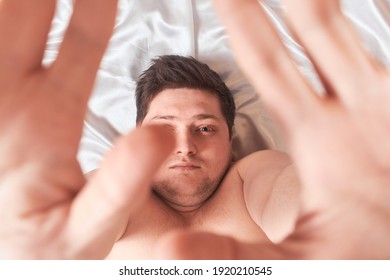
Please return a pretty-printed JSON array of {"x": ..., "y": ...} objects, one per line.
[
  {"x": 191, "y": 245},
  {"x": 101, "y": 210}
]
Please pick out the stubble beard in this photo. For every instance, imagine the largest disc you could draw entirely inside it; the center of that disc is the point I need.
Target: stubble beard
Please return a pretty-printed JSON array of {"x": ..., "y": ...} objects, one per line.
[{"x": 171, "y": 190}]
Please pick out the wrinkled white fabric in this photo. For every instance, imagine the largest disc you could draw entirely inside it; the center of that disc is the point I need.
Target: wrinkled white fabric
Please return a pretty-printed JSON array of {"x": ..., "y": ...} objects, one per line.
[{"x": 148, "y": 28}]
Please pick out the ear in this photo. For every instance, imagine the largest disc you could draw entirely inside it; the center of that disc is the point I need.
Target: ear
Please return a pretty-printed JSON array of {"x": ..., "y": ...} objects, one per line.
[{"x": 233, "y": 133}]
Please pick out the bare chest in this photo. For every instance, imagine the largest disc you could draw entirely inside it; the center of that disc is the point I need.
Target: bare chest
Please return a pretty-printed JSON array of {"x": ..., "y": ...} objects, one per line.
[{"x": 224, "y": 214}]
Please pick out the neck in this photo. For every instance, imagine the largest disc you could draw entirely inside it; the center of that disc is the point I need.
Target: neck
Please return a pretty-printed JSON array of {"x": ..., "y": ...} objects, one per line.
[{"x": 185, "y": 211}]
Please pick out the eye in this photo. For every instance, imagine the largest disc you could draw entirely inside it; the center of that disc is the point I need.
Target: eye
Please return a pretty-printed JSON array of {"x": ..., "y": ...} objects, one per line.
[{"x": 206, "y": 129}]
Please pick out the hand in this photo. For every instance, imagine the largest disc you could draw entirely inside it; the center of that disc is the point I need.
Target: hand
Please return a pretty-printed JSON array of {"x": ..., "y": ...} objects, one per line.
[
  {"x": 339, "y": 141},
  {"x": 47, "y": 209}
]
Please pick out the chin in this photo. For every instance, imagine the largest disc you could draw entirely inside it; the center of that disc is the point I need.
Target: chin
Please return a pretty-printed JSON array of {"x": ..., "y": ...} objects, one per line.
[{"x": 185, "y": 192}]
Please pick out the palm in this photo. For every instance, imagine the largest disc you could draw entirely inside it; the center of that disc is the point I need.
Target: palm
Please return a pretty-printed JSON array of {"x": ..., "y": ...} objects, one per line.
[
  {"x": 339, "y": 141},
  {"x": 345, "y": 174},
  {"x": 47, "y": 208},
  {"x": 41, "y": 123},
  {"x": 33, "y": 164}
]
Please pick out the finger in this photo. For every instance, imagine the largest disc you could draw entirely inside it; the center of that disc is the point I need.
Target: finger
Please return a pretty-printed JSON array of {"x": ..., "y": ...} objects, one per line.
[
  {"x": 83, "y": 46},
  {"x": 189, "y": 245},
  {"x": 333, "y": 46},
  {"x": 118, "y": 189},
  {"x": 24, "y": 26},
  {"x": 264, "y": 59}
]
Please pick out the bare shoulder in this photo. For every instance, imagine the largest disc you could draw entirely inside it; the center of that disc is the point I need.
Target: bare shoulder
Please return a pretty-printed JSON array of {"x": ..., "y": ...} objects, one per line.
[
  {"x": 271, "y": 191},
  {"x": 270, "y": 162}
]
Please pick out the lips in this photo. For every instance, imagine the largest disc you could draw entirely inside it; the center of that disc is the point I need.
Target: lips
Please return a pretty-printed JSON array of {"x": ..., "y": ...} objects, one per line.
[{"x": 184, "y": 166}]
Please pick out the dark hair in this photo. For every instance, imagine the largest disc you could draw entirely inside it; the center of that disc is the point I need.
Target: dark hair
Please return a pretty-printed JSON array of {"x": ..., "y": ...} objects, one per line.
[{"x": 174, "y": 71}]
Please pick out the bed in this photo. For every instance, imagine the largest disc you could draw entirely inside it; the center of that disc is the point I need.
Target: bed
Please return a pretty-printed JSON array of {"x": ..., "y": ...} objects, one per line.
[{"x": 148, "y": 28}]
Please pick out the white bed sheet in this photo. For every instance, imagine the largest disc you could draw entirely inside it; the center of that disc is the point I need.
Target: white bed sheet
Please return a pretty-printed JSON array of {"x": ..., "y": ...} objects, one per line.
[{"x": 147, "y": 28}]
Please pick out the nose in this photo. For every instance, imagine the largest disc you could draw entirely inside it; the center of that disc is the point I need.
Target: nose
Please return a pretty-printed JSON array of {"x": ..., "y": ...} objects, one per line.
[{"x": 185, "y": 142}]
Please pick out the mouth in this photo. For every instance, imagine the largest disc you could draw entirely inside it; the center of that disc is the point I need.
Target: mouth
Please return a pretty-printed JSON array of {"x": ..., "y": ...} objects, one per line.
[{"x": 184, "y": 167}]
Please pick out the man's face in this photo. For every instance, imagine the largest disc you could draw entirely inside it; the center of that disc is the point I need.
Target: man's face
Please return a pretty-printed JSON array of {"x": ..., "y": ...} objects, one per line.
[{"x": 202, "y": 154}]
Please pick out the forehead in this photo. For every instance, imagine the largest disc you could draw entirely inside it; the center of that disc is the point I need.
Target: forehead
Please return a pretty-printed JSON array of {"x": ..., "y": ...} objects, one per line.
[{"x": 184, "y": 102}]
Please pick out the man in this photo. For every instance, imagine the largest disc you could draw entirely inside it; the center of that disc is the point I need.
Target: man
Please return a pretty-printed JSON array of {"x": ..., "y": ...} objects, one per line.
[
  {"x": 197, "y": 187},
  {"x": 339, "y": 141}
]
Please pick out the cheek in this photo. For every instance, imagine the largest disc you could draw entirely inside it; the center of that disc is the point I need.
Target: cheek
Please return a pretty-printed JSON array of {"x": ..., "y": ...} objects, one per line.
[
  {"x": 161, "y": 172},
  {"x": 220, "y": 153}
]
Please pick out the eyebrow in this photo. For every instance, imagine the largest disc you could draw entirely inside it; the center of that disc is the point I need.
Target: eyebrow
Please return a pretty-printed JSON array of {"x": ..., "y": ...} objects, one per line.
[{"x": 197, "y": 117}]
